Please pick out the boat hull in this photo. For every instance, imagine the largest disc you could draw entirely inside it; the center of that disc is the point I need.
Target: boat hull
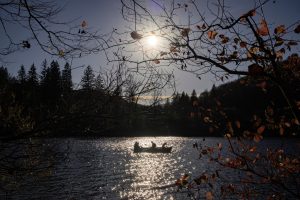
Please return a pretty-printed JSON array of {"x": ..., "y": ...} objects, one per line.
[{"x": 152, "y": 150}]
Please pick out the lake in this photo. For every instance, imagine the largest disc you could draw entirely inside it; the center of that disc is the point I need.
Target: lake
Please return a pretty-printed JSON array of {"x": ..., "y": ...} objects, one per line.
[{"x": 104, "y": 168}]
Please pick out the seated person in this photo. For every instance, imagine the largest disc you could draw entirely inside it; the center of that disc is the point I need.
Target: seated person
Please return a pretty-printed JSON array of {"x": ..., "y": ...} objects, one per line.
[
  {"x": 164, "y": 145},
  {"x": 136, "y": 145},
  {"x": 153, "y": 144}
]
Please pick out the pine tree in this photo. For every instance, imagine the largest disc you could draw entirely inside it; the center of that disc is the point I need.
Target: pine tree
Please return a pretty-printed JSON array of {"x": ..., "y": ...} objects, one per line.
[
  {"x": 99, "y": 83},
  {"x": 66, "y": 79},
  {"x": 22, "y": 75},
  {"x": 44, "y": 79},
  {"x": 32, "y": 76},
  {"x": 88, "y": 79},
  {"x": 54, "y": 80}
]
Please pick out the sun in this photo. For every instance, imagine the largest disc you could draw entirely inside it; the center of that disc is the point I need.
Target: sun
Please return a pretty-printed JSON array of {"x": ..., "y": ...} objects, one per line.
[{"x": 152, "y": 40}]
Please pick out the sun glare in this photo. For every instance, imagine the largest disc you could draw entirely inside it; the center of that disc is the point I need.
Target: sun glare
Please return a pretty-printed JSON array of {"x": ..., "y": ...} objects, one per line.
[{"x": 152, "y": 40}]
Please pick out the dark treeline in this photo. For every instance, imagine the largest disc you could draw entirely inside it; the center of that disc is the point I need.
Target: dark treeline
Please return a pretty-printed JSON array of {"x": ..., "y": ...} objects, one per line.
[
  {"x": 47, "y": 104},
  {"x": 245, "y": 106}
]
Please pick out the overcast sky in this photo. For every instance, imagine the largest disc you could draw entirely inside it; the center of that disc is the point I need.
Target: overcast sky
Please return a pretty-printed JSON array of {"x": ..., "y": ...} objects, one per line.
[{"x": 106, "y": 15}]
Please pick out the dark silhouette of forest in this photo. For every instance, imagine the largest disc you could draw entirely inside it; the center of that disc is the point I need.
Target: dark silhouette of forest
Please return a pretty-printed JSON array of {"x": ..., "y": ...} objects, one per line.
[{"x": 47, "y": 104}]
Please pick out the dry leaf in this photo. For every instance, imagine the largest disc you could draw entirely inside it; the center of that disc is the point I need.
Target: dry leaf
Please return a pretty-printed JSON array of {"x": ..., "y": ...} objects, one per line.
[
  {"x": 185, "y": 32},
  {"x": 135, "y": 35},
  {"x": 263, "y": 28},
  {"x": 212, "y": 34},
  {"x": 257, "y": 138},
  {"x": 261, "y": 129},
  {"x": 279, "y": 29},
  {"x": 83, "y": 24},
  {"x": 156, "y": 61},
  {"x": 255, "y": 70},
  {"x": 297, "y": 29},
  {"x": 209, "y": 196},
  {"x": 238, "y": 124}
]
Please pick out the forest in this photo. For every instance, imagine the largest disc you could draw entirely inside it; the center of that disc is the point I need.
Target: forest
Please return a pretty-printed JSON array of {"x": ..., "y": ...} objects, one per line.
[{"x": 50, "y": 105}]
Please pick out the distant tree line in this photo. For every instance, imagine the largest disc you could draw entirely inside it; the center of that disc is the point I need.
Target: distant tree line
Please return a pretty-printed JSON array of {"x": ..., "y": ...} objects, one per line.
[{"x": 47, "y": 104}]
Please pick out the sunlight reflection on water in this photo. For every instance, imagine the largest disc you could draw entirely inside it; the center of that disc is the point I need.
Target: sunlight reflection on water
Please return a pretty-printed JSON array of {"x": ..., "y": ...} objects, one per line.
[
  {"x": 152, "y": 176},
  {"x": 107, "y": 168}
]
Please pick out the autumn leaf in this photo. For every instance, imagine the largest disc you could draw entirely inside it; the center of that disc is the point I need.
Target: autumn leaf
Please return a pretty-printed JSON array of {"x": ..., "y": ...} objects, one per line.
[
  {"x": 135, "y": 35},
  {"x": 263, "y": 28},
  {"x": 281, "y": 131},
  {"x": 185, "y": 32},
  {"x": 255, "y": 70},
  {"x": 250, "y": 13},
  {"x": 174, "y": 49},
  {"x": 280, "y": 54},
  {"x": 279, "y": 41},
  {"x": 225, "y": 40},
  {"x": 83, "y": 24},
  {"x": 243, "y": 44},
  {"x": 279, "y": 29},
  {"x": 212, "y": 34},
  {"x": 61, "y": 53},
  {"x": 253, "y": 149},
  {"x": 257, "y": 138},
  {"x": 261, "y": 129},
  {"x": 156, "y": 61},
  {"x": 292, "y": 43},
  {"x": 163, "y": 53},
  {"x": 236, "y": 40},
  {"x": 238, "y": 124},
  {"x": 209, "y": 196},
  {"x": 297, "y": 29}
]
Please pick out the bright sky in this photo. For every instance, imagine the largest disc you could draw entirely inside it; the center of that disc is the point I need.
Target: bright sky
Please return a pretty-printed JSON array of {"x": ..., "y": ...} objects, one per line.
[{"x": 105, "y": 15}]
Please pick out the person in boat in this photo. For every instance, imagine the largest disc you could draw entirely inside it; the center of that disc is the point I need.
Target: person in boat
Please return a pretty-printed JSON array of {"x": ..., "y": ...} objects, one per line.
[
  {"x": 136, "y": 145},
  {"x": 164, "y": 145},
  {"x": 153, "y": 144}
]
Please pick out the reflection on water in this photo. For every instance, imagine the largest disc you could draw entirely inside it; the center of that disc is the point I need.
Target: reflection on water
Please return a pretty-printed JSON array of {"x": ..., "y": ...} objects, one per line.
[{"x": 107, "y": 168}]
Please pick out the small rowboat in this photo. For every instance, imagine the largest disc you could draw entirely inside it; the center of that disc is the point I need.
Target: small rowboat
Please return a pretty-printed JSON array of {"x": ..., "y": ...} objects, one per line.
[{"x": 152, "y": 150}]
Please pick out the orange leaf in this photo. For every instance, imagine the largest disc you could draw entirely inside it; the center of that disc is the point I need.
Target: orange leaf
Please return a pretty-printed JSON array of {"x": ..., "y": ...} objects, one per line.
[
  {"x": 225, "y": 40},
  {"x": 212, "y": 34},
  {"x": 261, "y": 129},
  {"x": 83, "y": 24},
  {"x": 209, "y": 196},
  {"x": 257, "y": 138},
  {"x": 253, "y": 149},
  {"x": 238, "y": 124},
  {"x": 281, "y": 131},
  {"x": 263, "y": 29},
  {"x": 279, "y": 29},
  {"x": 243, "y": 44}
]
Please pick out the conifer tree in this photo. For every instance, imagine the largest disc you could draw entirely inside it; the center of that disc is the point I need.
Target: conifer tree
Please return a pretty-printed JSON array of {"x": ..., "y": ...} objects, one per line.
[
  {"x": 66, "y": 79},
  {"x": 22, "y": 75},
  {"x": 88, "y": 79},
  {"x": 32, "y": 76}
]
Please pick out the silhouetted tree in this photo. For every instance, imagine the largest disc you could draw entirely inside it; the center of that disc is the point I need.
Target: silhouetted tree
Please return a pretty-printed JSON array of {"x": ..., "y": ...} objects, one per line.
[
  {"x": 88, "y": 79},
  {"x": 66, "y": 79},
  {"x": 32, "y": 76},
  {"x": 22, "y": 75}
]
